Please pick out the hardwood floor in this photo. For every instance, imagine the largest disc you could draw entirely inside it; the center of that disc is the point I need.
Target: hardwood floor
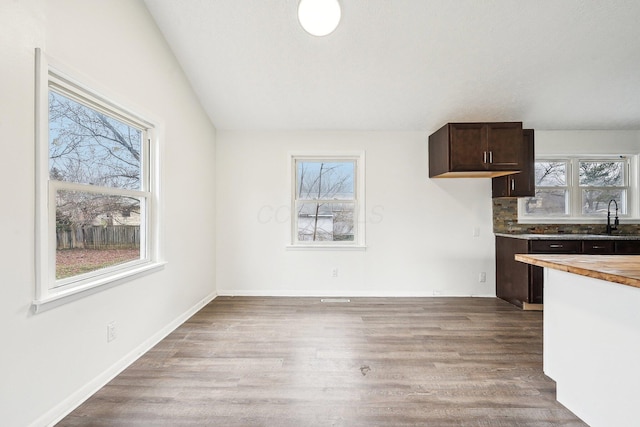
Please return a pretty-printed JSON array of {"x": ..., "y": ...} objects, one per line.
[{"x": 370, "y": 362}]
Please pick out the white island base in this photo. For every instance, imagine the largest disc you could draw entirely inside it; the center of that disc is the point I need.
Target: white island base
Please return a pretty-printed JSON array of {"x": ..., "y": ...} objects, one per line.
[{"x": 592, "y": 347}]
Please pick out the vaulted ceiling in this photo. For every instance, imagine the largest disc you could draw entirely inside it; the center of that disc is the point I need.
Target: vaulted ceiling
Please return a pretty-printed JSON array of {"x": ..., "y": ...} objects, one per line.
[{"x": 410, "y": 64}]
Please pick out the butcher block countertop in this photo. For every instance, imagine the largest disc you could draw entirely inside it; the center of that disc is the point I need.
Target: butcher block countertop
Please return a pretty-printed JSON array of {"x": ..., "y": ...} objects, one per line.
[{"x": 623, "y": 269}]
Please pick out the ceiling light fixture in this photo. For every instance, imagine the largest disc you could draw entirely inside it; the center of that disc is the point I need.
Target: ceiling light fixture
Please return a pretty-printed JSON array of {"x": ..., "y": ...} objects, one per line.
[{"x": 319, "y": 17}]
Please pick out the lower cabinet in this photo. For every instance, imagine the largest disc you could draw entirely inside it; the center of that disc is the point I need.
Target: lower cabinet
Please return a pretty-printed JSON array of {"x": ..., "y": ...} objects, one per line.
[
  {"x": 627, "y": 247},
  {"x": 522, "y": 284}
]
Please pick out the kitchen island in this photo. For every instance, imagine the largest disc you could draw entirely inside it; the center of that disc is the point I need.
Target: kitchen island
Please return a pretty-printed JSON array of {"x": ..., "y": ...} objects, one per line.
[{"x": 592, "y": 334}]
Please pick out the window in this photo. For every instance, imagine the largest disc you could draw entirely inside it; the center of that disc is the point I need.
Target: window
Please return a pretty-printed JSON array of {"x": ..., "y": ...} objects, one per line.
[
  {"x": 97, "y": 191},
  {"x": 552, "y": 189},
  {"x": 327, "y": 201},
  {"x": 579, "y": 188},
  {"x": 601, "y": 181}
]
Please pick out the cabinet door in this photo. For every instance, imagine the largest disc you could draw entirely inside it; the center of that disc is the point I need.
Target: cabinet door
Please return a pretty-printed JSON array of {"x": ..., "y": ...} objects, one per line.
[
  {"x": 467, "y": 146},
  {"x": 504, "y": 146},
  {"x": 520, "y": 184},
  {"x": 512, "y": 277}
]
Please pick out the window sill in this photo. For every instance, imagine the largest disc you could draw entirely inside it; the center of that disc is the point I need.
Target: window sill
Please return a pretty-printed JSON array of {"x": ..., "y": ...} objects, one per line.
[
  {"x": 567, "y": 220},
  {"x": 60, "y": 297},
  {"x": 326, "y": 248}
]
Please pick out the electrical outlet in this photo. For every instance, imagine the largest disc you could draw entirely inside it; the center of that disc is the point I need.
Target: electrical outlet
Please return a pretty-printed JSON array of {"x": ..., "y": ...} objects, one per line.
[
  {"x": 482, "y": 277},
  {"x": 111, "y": 331},
  {"x": 334, "y": 272},
  {"x": 476, "y": 231}
]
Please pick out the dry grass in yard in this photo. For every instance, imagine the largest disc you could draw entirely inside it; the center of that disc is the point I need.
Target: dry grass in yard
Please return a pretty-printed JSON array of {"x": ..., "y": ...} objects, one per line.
[{"x": 71, "y": 262}]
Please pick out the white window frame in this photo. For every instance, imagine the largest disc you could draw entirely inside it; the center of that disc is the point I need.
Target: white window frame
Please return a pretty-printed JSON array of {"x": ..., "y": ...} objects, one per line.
[
  {"x": 575, "y": 215},
  {"x": 50, "y": 292},
  {"x": 358, "y": 242}
]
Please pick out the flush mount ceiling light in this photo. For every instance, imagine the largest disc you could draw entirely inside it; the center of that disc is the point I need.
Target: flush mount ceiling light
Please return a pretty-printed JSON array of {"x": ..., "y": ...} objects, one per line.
[{"x": 319, "y": 17}]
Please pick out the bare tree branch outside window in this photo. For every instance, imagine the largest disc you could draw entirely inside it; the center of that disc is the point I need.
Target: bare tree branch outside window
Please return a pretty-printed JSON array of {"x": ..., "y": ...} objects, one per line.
[
  {"x": 325, "y": 196},
  {"x": 551, "y": 193},
  {"x": 595, "y": 183},
  {"x": 91, "y": 148},
  {"x": 601, "y": 182}
]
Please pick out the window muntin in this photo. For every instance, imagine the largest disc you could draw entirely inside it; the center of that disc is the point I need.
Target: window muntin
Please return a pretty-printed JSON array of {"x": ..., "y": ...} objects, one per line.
[
  {"x": 97, "y": 182},
  {"x": 574, "y": 188},
  {"x": 326, "y": 201}
]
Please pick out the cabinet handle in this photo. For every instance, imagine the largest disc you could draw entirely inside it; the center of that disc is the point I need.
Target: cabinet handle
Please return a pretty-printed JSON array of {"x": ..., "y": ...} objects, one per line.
[
  {"x": 513, "y": 184},
  {"x": 490, "y": 156},
  {"x": 597, "y": 247},
  {"x": 484, "y": 157},
  {"x": 556, "y": 246}
]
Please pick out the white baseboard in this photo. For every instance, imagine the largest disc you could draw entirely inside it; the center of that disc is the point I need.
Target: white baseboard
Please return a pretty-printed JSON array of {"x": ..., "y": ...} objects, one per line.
[
  {"x": 65, "y": 407},
  {"x": 313, "y": 294}
]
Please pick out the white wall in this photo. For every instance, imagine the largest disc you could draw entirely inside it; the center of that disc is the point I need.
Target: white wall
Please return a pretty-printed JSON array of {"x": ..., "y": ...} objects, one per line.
[
  {"x": 419, "y": 230},
  {"x": 51, "y": 360},
  {"x": 576, "y": 142}
]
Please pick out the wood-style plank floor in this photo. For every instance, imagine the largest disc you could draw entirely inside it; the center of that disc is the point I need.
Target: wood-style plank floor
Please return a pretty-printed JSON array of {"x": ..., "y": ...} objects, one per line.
[{"x": 371, "y": 362}]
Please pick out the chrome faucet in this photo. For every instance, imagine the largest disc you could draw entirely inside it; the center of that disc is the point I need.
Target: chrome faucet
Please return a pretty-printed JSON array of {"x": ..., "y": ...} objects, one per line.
[{"x": 616, "y": 221}]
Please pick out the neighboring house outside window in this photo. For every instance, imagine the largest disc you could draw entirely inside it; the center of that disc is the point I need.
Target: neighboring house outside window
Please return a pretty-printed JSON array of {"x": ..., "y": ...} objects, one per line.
[
  {"x": 97, "y": 190},
  {"x": 579, "y": 188},
  {"x": 327, "y": 200}
]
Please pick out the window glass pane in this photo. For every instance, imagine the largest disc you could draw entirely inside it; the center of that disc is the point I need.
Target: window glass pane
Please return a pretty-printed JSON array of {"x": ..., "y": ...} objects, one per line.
[
  {"x": 88, "y": 147},
  {"x": 318, "y": 222},
  {"x": 318, "y": 180},
  {"x": 596, "y": 201},
  {"x": 94, "y": 231},
  {"x": 602, "y": 174},
  {"x": 547, "y": 202},
  {"x": 551, "y": 173}
]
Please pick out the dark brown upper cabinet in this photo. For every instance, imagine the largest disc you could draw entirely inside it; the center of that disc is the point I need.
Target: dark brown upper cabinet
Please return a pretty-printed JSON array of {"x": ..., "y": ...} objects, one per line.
[
  {"x": 521, "y": 184},
  {"x": 468, "y": 150}
]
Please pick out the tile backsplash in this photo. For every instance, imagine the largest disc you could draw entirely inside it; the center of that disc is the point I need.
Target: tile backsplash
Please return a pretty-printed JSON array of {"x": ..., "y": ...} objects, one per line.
[{"x": 505, "y": 220}]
